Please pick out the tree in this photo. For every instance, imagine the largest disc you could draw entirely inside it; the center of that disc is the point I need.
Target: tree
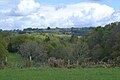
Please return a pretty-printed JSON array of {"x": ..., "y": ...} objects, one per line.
[
  {"x": 3, "y": 51},
  {"x": 17, "y": 40},
  {"x": 58, "y": 52},
  {"x": 74, "y": 39},
  {"x": 32, "y": 51},
  {"x": 97, "y": 53},
  {"x": 47, "y": 39},
  {"x": 81, "y": 51},
  {"x": 63, "y": 52},
  {"x": 95, "y": 37},
  {"x": 116, "y": 47},
  {"x": 48, "y": 28}
]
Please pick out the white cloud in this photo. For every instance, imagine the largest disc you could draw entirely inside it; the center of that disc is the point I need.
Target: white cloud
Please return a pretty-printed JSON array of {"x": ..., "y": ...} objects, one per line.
[
  {"x": 32, "y": 14},
  {"x": 7, "y": 23},
  {"x": 25, "y": 7}
]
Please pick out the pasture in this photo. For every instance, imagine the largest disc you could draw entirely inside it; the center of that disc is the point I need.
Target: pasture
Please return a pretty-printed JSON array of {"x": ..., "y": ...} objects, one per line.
[
  {"x": 60, "y": 74},
  {"x": 32, "y": 73}
]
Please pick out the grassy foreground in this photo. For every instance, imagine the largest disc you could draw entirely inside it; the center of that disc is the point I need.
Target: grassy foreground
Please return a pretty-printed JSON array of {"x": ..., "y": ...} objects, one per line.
[{"x": 60, "y": 74}]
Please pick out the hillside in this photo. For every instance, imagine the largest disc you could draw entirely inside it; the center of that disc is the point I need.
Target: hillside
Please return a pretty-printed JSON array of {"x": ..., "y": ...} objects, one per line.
[
  {"x": 76, "y": 31},
  {"x": 100, "y": 47}
]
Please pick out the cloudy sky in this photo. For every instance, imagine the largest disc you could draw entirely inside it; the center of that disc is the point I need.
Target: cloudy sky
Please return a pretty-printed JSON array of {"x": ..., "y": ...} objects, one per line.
[{"x": 20, "y": 14}]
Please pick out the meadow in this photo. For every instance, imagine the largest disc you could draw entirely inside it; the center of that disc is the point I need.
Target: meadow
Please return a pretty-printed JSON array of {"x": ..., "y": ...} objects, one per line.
[
  {"x": 32, "y": 73},
  {"x": 60, "y": 74}
]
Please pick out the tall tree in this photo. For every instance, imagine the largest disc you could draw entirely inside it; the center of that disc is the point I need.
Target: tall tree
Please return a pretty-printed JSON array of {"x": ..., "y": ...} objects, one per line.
[
  {"x": 3, "y": 51},
  {"x": 32, "y": 51},
  {"x": 81, "y": 51},
  {"x": 116, "y": 47}
]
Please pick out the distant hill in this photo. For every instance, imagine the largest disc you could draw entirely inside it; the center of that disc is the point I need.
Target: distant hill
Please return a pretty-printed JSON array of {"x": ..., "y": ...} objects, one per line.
[{"x": 76, "y": 31}]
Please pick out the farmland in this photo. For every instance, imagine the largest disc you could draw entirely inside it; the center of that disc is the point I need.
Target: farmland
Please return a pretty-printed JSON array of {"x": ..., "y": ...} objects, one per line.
[
  {"x": 60, "y": 74},
  {"x": 48, "y": 56},
  {"x": 32, "y": 73}
]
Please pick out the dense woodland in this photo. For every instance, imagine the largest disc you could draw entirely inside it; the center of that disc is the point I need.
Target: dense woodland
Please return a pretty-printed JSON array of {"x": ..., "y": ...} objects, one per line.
[{"x": 92, "y": 47}]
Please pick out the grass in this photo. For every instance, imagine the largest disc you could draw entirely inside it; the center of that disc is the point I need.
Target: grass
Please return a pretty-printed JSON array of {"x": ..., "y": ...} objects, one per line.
[
  {"x": 60, "y": 74},
  {"x": 14, "y": 58},
  {"x": 56, "y": 73}
]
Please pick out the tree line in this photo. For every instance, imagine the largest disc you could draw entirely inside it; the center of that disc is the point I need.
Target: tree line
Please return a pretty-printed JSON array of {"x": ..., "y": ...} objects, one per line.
[
  {"x": 100, "y": 47},
  {"x": 76, "y": 31}
]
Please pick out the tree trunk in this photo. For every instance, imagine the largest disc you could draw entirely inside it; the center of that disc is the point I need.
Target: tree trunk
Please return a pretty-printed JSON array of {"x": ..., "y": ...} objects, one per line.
[
  {"x": 68, "y": 63},
  {"x": 6, "y": 59},
  {"x": 30, "y": 58},
  {"x": 77, "y": 63}
]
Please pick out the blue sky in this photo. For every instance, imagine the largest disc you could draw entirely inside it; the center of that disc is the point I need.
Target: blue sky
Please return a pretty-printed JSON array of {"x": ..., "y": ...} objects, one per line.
[
  {"x": 113, "y": 3},
  {"x": 20, "y": 14}
]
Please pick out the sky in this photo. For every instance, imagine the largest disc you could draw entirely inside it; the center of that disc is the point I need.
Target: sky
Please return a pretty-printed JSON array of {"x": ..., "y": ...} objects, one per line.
[{"x": 20, "y": 14}]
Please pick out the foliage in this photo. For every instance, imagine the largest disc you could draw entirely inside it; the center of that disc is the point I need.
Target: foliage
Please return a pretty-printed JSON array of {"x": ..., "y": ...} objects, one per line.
[
  {"x": 99, "y": 46},
  {"x": 81, "y": 51},
  {"x": 3, "y": 53},
  {"x": 104, "y": 42},
  {"x": 3, "y": 50},
  {"x": 34, "y": 50},
  {"x": 16, "y": 40}
]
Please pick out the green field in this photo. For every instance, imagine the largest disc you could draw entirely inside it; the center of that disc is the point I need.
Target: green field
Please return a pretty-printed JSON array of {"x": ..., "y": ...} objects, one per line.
[
  {"x": 56, "y": 73},
  {"x": 15, "y": 73},
  {"x": 60, "y": 74},
  {"x": 14, "y": 58}
]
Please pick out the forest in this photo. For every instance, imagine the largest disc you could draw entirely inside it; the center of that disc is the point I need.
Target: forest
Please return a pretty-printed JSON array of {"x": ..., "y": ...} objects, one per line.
[{"x": 69, "y": 48}]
